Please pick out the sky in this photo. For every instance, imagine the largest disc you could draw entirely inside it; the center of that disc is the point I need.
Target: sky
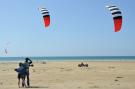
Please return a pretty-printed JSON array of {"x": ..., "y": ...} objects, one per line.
[{"x": 78, "y": 28}]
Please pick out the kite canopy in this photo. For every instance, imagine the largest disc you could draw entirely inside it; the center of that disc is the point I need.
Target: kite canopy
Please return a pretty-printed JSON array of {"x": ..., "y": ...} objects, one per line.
[
  {"x": 6, "y": 52},
  {"x": 46, "y": 16},
  {"x": 117, "y": 17}
]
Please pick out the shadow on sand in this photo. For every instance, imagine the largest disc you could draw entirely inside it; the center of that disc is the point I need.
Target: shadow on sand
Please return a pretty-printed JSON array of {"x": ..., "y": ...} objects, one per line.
[{"x": 38, "y": 87}]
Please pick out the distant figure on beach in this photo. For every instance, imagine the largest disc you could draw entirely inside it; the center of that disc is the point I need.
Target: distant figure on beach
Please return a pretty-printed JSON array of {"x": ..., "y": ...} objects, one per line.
[
  {"x": 82, "y": 65},
  {"x": 21, "y": 74},
  {"x": 27, "y": 64}
]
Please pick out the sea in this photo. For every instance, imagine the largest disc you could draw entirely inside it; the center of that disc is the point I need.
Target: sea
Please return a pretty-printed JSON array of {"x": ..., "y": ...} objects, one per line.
[{"x": 70, "y": 58}]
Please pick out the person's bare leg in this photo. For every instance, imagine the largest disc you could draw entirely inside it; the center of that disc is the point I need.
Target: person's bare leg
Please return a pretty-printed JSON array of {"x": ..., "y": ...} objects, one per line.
[
  {"x": 28, "y": 80},
  {"x": 19, "y": 83},
  {"x": 23, "y": 82}
]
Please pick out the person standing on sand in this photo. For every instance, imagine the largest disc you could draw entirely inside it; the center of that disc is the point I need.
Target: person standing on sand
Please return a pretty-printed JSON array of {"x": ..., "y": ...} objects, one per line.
[
  {"x": 27, "y": 64},
  {"x": 21, "y": 74}
]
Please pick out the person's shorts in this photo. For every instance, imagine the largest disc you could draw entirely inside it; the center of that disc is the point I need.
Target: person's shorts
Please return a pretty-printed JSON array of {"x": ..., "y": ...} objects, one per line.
[{"x": 21, "y": 76}]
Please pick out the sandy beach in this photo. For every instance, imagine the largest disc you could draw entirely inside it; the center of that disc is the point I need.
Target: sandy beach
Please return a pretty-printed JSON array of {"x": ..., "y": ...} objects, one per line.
[{"x": 67, "y": 75}]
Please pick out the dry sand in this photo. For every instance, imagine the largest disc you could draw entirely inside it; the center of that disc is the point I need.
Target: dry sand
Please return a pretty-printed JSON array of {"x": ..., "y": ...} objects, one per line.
[{"x": 67, "y": 75}]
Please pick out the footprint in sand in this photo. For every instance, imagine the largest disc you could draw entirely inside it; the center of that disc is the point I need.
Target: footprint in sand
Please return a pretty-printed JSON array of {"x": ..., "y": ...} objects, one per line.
[
  {"x": 95, "y": 86},
  {"x": 111, "y": 67},
  {"x": 119, "y": 77},
  {"x": 1, "y": 83},
  {"x": 69, "y": 69},
  {"x": 118, "y": 84},
  {"x": 116, "y": 80},
  {"x": 34, "y": 70},
  {"x": 62, "y": 68},
  {"x": 79, "y": 87}
]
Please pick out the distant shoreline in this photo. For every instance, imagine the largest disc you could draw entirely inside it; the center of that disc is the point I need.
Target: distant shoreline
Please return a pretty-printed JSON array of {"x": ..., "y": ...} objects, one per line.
[{"x": 70, "y": 58}]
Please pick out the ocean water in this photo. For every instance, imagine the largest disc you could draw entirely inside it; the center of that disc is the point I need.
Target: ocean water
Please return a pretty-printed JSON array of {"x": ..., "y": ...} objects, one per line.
[{"x": 71, "y": 58}]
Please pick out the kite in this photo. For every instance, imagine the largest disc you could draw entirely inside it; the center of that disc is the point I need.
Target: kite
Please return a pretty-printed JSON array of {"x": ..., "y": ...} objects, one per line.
[
  {"x": 117, "y": 17},
  {"x": 46, "y": 16},
  {"x": 6, "y": 51}
]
